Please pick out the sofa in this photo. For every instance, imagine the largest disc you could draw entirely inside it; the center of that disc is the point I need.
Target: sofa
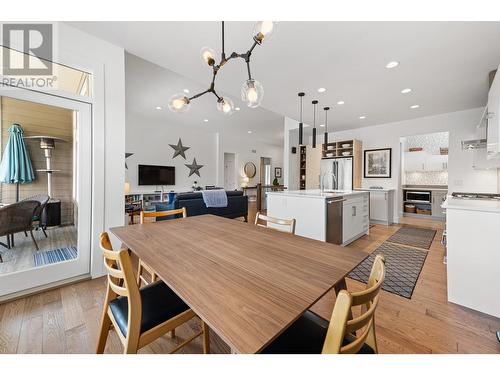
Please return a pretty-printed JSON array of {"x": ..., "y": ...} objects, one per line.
[{"x": 237, "y": 205}]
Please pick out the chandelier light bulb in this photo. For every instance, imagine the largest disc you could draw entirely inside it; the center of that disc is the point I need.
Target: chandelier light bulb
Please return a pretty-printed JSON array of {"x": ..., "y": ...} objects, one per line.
[
  {"x": 208, "y": 55},
  {"x": 226, "y": 106},
  {"x": 263, "y": 30},
  {"x": 252, "y": 93},
  {"x": 179, "y": 103}
]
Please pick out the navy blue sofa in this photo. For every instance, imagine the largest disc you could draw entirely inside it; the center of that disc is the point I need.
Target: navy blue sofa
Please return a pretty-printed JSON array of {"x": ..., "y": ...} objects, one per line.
[{"x": 237, "y": 205}]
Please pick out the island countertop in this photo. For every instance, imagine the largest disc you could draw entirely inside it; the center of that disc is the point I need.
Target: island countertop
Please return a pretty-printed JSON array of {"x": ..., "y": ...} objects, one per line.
[{"x": 317, "y": 193}]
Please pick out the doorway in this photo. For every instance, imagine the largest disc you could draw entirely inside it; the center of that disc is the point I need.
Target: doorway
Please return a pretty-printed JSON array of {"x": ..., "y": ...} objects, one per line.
[
  {"x": 230, "y": 171},
  {"x": 57, "y": 135}
]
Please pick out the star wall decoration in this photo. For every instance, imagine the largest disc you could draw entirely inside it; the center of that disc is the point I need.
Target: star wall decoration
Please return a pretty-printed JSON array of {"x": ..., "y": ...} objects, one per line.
[
  {"x": 127, "y": 154},
  {"x": 179, "y": 149},
  {"x": 194, "y": 168}
]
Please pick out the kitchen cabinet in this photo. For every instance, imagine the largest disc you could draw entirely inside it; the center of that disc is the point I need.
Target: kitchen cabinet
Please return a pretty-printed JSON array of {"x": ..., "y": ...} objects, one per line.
[
  {"x": 493, "y": 120},
  {"x": 313, "y": 160},
  {"x": 381, "y": 206},
  {"x": 355, "y": 218},
  {"x": 422, "y": 161},
  {"x": 438, "y": 198}
]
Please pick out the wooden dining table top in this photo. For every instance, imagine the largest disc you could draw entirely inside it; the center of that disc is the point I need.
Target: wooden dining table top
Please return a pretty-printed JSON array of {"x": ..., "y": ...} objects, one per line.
[{"x": 247, "y": 283}]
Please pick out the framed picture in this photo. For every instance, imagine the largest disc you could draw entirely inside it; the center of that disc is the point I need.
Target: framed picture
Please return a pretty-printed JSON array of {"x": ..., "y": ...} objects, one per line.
[
  {"x": 378, "y": 163},
  {"x": 277, "y": 172}
]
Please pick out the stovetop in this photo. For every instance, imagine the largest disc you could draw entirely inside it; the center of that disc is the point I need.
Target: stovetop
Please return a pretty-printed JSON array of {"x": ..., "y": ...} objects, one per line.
[{"x": 484, "y": 196}]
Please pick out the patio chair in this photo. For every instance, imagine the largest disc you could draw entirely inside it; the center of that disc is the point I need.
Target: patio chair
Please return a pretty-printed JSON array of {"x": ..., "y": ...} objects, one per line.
[
  {"x": 37, "y": 216},
  {"x": 15, "y": 218}
]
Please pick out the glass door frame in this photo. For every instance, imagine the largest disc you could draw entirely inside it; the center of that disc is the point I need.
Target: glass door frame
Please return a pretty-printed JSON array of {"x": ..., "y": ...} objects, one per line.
[{"x": 19, "y": 281}]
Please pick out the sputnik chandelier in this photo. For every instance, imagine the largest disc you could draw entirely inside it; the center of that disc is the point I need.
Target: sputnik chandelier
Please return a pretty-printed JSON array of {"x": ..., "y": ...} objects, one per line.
[{"x": 252, "y": 91}]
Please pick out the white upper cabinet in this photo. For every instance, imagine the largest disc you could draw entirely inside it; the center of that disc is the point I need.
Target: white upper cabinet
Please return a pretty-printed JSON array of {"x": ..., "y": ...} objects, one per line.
[
  {"x": 493, "y": 118},
  {"x": 421, "y": 161}
]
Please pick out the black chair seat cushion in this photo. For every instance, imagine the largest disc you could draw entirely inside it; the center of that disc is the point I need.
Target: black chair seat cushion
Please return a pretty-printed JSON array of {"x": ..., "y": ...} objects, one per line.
[
  {"x": 305, "y": 336},
  {"x": 159, "y": 304}
]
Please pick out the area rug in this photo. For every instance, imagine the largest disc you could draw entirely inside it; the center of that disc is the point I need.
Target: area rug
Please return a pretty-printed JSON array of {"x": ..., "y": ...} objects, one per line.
[
  {"x": 403, "y": 266},
  {"x": 416, "y": 237},
  {"x": 43, "y": 258}
]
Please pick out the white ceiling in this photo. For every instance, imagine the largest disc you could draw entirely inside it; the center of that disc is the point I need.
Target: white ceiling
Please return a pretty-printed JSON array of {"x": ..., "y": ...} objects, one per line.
[
  {"x": 444, "y": 63},
  {"x": 149, "y": 85}
]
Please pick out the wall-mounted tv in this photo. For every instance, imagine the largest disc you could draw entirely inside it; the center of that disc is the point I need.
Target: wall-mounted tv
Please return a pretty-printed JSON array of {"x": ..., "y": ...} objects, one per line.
[{"x": 156, "y": 175}]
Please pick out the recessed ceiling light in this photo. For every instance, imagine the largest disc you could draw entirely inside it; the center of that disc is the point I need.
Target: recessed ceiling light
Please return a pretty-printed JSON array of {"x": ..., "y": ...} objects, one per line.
[
  {"x": 340, "y": 102},
  {"x": 392, "y": 64},
  {"x": 249, "y": 132},
  {"x": 322, "y": 125},
  {"x": 237, "y": 109},
  {"x": 321, "y": 89},
  {"x": 159, "y": 108},
  {"x": 405, "y": 91},
  {"x": 362, "y": 117},
  {"x": 415, "y": 106},
  {"x": 186, "y": 91},
  {"x": 205, "y": 120}
]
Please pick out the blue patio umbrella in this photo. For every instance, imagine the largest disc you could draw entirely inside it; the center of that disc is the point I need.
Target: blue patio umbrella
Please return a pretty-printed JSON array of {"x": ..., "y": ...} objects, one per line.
[{"x": 16, "y": 167}]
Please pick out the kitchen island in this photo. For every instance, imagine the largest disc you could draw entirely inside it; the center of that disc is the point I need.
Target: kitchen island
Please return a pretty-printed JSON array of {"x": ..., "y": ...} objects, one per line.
[
  {"x": 473, "y": 253},
  {"x": 333, "y": 216}
]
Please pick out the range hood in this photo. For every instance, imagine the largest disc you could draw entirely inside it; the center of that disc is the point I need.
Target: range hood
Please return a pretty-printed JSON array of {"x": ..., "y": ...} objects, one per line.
[{"x": 474, "y": 144}]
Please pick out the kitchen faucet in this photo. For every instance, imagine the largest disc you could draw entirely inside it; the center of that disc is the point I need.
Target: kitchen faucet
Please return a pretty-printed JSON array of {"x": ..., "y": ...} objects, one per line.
[{"x": 322, "y": 184}]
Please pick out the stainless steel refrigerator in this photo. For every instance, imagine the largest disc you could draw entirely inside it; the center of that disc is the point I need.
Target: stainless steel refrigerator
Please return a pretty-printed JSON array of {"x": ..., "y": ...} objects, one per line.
[{"x": 336, "y": 173}]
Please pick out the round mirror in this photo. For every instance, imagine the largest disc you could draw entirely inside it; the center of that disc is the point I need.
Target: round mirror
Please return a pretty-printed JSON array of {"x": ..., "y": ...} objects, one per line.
[{"x": 250, "y": 169}]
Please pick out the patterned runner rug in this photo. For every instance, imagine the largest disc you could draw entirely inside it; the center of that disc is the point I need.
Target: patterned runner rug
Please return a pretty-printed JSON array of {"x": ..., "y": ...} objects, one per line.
[
  {"x": 416, "y": 237},
  {"x": 55, "y": 256},
  {"x": 403, "y": 267}
]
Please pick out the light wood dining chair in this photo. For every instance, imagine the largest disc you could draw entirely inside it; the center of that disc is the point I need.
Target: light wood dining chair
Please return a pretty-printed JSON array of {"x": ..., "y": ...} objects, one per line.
[
  {"x": 311, "y": 334},
  {"x": 143, "y": 266},
  {"x": 284, "y": 225},
  {"x": 140, "y": 316}
]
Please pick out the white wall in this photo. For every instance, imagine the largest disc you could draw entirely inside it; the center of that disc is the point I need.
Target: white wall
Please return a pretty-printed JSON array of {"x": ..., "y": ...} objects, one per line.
[
  {"x": 149, "y": 141},
  {"x": 106, "y": 62},
  {"x": 460, "y": 125}
]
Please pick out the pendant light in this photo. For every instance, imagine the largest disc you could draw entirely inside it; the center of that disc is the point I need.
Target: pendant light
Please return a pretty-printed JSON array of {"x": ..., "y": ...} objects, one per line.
[
  {"x": 301, "y": 125},
  {"x": 326, "y": 125},
  {"x": 314, "y": 102}
]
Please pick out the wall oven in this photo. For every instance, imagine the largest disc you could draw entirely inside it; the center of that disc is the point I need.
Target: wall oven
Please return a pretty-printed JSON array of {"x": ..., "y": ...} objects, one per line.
[{"x": 417, "y": 196}]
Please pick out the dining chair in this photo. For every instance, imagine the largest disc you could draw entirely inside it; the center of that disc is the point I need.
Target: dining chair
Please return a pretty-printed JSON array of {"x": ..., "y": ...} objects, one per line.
[
  {"x": 311, "y": 334},
  {"x": 140, "y": 315},
  {"x": 143, "y": 266},
  {"x": 283, "y": 225}
]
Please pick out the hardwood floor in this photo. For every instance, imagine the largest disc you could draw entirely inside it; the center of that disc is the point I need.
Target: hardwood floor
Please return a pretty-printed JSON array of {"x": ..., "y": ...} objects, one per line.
[{"x": 66, "y": 320}]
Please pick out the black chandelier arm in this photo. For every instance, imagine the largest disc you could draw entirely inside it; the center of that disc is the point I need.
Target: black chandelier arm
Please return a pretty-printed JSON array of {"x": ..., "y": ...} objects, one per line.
[
  {"x": 223, "y": 54},
  {"x": 199, "y": 94},
  {"x": 248, "y": 70}
]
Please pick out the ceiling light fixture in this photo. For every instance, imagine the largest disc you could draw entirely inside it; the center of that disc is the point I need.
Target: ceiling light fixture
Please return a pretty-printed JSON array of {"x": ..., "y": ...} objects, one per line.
[
  {"x": 322, "y": 125},
  {"x": 249, "y": 132},
  {"x": 321, "y": 89},
  {"x": 415, "y": 106},
  {"x": 392, "y": 64},
  {"x": 362, "y": 117},
  {"x": 301, "y": 124},
  {"x": 186, "y": 91},
  {"x": 340, "y": 102},
  {"x": 252, "y": 91},
  {"x": 326, "y": 125},
  {"x": 237, "y": 109},
  {"x": 405, "y": 91},
  {"x": 314, "y": 102},
  {"x": 205, "y": 120},
  {"x": 159, "y": 108}
]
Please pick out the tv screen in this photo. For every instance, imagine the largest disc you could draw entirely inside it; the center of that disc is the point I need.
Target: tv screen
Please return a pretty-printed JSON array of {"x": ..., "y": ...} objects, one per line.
[{"x": 156, "y": 175}]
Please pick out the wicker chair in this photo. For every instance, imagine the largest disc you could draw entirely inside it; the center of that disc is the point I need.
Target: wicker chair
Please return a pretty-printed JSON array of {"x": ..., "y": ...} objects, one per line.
[
  {"x": 37, "y": 216},
  {"x": 17, "y": 217}
]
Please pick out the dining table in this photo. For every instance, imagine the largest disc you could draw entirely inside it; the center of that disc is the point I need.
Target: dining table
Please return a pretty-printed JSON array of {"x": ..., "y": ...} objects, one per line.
[{"x": 248, "y": 283}]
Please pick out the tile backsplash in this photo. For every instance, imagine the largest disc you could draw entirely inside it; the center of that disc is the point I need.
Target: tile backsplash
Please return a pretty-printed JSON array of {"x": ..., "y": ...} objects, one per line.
[{"x": 426, "y": 178}]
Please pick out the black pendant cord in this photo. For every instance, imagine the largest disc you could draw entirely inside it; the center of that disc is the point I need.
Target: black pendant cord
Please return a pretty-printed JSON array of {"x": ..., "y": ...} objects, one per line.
[
  {"x": 224, "y": 60},
  {"x": 326, "y": 126},
  {"x": 314, "y": 102},
  {"x": 301, "y": 124}
]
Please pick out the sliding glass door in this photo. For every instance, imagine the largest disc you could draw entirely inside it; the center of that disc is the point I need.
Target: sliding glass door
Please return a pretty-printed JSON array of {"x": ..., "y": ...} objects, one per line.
[{"x": 45, "y": 220}]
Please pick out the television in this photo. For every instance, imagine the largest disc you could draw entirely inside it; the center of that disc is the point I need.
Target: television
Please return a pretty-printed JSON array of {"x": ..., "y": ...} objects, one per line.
[{"x": 156, "y": 175}]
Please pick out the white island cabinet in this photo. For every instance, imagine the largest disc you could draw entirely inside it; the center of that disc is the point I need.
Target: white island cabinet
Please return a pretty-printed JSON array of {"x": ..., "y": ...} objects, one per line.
[
  {"x": 473, "y": 254},
  {"x": 338, "y": 217},
  {"x": 381, "y": 205}
]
